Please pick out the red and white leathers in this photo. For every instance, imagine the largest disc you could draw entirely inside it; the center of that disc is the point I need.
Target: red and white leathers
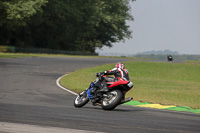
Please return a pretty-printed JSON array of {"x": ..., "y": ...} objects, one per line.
[{"x": 119, "y": 74}]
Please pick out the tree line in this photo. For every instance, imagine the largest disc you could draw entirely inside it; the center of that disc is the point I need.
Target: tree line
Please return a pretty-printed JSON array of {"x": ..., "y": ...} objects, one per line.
[{"x": 76, "y": 25}]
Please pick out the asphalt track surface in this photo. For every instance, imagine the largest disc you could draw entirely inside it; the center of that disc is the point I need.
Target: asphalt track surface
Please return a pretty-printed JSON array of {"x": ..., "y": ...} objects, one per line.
[{"x": 29, "y": 97}]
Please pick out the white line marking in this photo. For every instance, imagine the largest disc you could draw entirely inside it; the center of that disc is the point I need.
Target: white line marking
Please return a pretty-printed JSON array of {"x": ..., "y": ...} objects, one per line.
[
  {"x": 59, "y": 85},
  {"x": 6, "y": 127}
]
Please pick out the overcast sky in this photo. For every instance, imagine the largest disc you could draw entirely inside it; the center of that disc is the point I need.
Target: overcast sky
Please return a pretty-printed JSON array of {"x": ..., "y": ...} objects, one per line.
[{"x": 160, "y": 25}]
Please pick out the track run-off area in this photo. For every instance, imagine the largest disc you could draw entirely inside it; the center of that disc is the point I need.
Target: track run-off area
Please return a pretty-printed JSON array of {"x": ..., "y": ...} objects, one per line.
[{"x": 31, "y": 101}]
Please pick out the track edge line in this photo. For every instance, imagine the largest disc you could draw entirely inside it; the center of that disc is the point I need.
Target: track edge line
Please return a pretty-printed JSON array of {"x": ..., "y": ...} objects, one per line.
[{"x": 59, "y": 85}]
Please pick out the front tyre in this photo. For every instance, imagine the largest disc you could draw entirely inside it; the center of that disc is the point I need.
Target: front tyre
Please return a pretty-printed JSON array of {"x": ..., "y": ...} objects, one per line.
[
  {"x": 112, "y": 100},
  {"x": 81, "y": 100}
]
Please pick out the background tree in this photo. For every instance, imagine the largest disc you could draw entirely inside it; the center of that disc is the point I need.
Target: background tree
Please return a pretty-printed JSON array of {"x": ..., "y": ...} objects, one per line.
[
  {"x": 74, "y": 25},
  {"x": 13, "y": 15}
]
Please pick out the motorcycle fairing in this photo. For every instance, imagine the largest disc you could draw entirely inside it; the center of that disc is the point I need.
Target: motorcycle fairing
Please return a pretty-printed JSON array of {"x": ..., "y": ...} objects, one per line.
[{"x": 120, "y": 82}]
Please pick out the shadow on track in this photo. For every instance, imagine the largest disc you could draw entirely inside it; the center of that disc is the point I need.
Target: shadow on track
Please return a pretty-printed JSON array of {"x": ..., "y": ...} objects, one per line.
[{"x": 115, "y": 110}]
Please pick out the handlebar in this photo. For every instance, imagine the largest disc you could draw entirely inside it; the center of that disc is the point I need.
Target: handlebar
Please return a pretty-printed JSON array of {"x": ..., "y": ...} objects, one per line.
[{"x": 99, "y": 74}]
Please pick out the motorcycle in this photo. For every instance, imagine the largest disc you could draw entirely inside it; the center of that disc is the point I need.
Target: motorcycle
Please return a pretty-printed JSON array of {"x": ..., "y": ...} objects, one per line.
[
  {"x": 170, "y": 58},
  {"x": 108, "y": 100}
]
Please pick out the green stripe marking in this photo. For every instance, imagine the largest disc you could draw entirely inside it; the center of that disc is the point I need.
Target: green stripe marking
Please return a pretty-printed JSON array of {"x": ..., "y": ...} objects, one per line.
[
  {"x": 135, "y": 103},
  {"x": 184, "y": 108},
  {"x": 159, "y": 106}
]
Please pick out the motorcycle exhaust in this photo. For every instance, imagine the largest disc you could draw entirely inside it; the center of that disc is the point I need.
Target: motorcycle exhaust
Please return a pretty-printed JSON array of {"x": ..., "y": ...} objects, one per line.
[{"x": 126, "y": 100}]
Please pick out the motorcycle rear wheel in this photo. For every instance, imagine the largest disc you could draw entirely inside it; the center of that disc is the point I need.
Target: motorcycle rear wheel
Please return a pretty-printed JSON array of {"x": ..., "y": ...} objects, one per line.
[
  {"x": 81, "y": 100},
  {"x": 113, "y": 100}
]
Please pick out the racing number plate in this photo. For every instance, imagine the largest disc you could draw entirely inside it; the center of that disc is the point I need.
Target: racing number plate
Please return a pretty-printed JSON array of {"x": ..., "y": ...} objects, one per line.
[{"x": 130, "y": 84}]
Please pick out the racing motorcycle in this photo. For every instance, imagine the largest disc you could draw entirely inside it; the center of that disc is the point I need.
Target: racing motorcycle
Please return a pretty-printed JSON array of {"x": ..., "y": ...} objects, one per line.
[
  {"x": 107, "y": 100},
  {"x": 170, "y": 58}
]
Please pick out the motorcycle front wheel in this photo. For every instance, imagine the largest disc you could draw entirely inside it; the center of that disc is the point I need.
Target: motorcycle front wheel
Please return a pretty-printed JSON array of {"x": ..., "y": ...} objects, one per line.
[
  {"x": 81, "y": 99},
  {"x": 112, "y": 100}
]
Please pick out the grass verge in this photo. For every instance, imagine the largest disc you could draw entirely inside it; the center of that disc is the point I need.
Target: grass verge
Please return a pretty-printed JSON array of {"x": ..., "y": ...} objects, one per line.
[{"x": 164, "y": 83}]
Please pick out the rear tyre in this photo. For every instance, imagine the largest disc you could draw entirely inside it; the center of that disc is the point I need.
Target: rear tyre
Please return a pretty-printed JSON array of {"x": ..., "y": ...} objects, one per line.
[
  {"x": 81, "y": 100},
  {"x": 114, "y": 98}
]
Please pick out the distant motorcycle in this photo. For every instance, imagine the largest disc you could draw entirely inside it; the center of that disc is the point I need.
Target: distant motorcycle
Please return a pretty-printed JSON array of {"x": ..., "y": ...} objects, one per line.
[
  {"x": 107, "y": 100},
  {"x": 170, "y": 58}
]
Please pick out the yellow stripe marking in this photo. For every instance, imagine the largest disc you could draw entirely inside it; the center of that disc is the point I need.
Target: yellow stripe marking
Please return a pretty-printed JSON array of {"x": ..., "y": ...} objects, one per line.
[{"x": 157, "y": 106}]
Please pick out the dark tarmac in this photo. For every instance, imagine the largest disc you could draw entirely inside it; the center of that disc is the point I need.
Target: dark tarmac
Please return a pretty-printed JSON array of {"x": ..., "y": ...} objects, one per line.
[{"x": 29, "y": 95}]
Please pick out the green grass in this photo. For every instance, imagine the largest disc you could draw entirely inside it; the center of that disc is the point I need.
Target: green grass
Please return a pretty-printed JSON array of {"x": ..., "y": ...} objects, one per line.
[
  {"x": 165, "y": 83},
  {"x": 193, "y": 62}
]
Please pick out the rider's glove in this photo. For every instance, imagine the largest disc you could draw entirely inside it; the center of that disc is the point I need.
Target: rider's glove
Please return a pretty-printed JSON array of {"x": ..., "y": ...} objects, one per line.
[
  {"x": 102, "y": 73},
  {"x": 97, "y": 74}
]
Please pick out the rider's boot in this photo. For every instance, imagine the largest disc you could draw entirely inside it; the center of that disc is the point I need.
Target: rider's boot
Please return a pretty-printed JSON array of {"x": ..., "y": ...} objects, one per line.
[{"x": 104, "y": 87}]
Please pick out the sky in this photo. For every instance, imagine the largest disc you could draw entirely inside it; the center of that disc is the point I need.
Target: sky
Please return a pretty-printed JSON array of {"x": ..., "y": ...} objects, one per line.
[{"x": 160, "y": 25}]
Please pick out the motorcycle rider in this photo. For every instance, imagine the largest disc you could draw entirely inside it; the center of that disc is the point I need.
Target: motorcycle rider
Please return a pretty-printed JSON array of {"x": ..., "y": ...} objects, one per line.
[{"x": 119, "y": 72}]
